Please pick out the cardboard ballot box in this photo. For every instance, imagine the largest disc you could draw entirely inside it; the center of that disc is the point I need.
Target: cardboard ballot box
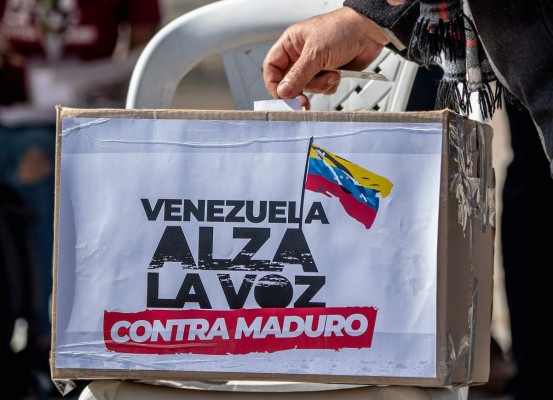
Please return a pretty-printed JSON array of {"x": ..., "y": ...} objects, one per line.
[{"x": 295, "y": 246}]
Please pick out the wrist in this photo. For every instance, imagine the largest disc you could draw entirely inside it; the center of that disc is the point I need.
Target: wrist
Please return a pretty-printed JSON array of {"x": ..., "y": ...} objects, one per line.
[{"x": 366, "y": 26}]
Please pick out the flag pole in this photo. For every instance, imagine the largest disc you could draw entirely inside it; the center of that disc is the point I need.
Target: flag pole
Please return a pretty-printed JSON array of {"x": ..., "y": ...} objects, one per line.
[{"x": 304, "y": 180}]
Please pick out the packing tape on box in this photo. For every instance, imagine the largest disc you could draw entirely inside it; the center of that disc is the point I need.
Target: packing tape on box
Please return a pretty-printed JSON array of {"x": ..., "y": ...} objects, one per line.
[
  {"x": 474, "y": 189},
  {"x": 471, "y": 183}
]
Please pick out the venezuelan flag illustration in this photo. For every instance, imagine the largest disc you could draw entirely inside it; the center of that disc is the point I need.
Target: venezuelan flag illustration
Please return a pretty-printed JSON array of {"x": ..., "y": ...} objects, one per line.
[{"x": 354, "y": 186}]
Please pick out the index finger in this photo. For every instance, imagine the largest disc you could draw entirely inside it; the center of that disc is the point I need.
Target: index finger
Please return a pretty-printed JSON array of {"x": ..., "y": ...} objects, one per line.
[{"x": 276, "y": 64}]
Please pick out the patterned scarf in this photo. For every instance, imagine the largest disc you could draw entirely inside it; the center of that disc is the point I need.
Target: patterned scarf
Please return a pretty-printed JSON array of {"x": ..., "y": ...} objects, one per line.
[{"x": 445, "y": 34}]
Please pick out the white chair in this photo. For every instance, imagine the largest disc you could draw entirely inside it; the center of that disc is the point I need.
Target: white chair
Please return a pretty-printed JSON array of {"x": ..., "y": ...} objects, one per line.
[{"x": 242, "y": 31}]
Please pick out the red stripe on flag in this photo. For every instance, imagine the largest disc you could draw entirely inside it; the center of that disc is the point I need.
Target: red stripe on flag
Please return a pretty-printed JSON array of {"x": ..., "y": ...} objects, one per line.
[{"x": 355, "y": 209}]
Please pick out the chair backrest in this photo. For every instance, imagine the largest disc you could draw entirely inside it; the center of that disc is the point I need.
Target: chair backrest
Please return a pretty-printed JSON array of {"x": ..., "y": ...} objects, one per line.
[{"x": 242, "y": 31}]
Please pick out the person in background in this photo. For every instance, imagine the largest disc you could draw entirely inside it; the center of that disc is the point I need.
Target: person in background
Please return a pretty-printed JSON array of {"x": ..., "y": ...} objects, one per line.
[
  {"x": 78, "y": 53},
  {"x": 526, "y": 210},
  {"x": 477, "y": 42},
  {"x": 17, "y": 277}
]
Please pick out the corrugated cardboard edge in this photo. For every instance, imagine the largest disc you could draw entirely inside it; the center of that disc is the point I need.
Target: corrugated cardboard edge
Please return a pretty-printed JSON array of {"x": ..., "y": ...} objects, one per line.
[
  {"x": 108, "y": 113},
  {"x": 64, "y": 385},
  {"x": 461, "y": 368},
  {"x": 471, "y": 203}
]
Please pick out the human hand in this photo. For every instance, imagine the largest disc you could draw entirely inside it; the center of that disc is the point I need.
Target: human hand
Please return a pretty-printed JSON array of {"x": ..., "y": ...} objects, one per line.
[{"x": 299, "y": 60}]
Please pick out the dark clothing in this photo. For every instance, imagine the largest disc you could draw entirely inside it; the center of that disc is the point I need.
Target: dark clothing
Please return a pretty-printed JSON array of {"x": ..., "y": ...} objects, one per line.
[
  {"x": 517, "y": 36},
  {"x": 18, "y": 271},
  {"x": 399, "y": 19},
  {"x": 526, "y": 210}
]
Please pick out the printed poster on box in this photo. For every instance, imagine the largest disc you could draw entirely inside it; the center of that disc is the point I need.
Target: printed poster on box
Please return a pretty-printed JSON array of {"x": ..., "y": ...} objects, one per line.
[{"x": 277, "y": 247}]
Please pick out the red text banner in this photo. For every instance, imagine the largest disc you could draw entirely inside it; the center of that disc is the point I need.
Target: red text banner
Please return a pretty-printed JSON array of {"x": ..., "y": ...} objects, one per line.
[{"x": 239, "y": 331}]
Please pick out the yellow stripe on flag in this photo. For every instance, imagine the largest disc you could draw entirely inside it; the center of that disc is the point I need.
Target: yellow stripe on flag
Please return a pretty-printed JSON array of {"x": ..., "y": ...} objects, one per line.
[{"x": 365, "y": 178}]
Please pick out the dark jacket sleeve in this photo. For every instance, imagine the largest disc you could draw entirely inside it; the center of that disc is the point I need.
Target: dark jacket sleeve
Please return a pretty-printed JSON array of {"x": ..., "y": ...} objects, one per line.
[{"x": 399, "y": 19}]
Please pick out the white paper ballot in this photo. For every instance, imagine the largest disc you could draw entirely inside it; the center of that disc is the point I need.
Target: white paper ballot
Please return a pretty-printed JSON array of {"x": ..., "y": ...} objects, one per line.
[{"x": 276, "y": 105}]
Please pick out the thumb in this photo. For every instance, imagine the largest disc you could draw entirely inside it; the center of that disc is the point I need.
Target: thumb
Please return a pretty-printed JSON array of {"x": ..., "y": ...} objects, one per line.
[{"x": 297, "y": 78}]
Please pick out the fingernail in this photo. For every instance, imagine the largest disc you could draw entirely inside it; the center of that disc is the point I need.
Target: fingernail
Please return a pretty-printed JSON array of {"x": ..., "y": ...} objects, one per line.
[
  {"x": 285, "y": 89},
  {"x": 332, "y": 81}
]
